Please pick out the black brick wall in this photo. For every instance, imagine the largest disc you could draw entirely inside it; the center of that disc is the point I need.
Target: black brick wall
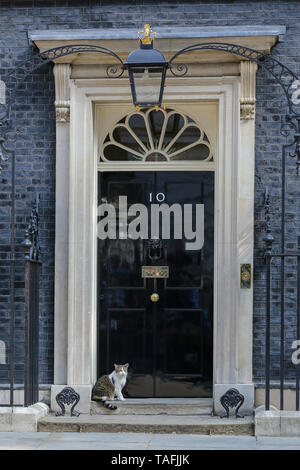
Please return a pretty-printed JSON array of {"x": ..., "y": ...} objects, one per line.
[{"x": 33, "y": 115}]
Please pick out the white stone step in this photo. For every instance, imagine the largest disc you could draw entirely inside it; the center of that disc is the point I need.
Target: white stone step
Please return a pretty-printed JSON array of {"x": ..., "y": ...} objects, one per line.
[
  {"x": 148, "y": 424},
  {"x": 156, "y": 406}
]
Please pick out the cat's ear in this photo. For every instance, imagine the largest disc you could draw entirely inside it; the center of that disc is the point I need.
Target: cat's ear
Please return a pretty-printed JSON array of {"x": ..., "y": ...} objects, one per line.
[
  {"x": 126, "y": 365},
  {"x": 115, "y": 366}
]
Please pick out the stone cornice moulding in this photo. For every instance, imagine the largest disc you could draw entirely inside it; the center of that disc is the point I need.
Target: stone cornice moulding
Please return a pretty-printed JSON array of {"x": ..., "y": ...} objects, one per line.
[
  {"x": 169, "y": 40},
  {"x": 62, "y": 73},
  {"x": 163, "y": 33},
  {"x": 248, "y": 89}
]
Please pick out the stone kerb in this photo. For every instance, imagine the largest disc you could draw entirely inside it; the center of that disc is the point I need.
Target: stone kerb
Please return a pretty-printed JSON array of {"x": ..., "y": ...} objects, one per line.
[
  {"x": 19, "y": 419},
  {"x": 277, "y": 423}
]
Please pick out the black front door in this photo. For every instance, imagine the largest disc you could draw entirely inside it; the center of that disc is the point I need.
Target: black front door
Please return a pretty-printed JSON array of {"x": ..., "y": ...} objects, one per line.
[{"x": 168, "y": 342}]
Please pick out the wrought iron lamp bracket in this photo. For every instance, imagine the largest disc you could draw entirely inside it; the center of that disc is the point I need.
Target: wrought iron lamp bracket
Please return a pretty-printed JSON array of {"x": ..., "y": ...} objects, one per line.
[
  {"x": 282, "y": 74},
  {"x": 27, "y": 67},
  {"x": 286, "y": 78}
]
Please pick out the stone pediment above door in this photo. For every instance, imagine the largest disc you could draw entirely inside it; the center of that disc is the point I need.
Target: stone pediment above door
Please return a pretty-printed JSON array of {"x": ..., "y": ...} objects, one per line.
[{"x": 169, "y": 40}]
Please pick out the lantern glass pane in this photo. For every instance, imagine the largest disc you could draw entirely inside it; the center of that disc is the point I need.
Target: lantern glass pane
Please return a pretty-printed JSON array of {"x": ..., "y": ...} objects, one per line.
[{"x": 147, "y": 83}]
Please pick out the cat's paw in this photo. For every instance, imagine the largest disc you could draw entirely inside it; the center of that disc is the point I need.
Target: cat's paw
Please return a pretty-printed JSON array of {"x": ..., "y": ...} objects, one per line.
[{"x": 122, "y": 398}]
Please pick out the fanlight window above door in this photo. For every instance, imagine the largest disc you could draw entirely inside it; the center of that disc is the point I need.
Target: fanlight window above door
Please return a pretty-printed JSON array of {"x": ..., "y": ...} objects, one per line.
[{"x": 156, "y": 136}]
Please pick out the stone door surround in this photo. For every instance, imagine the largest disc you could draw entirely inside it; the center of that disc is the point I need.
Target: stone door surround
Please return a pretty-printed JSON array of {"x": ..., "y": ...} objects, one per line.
[{"x": 80, "y": 89}]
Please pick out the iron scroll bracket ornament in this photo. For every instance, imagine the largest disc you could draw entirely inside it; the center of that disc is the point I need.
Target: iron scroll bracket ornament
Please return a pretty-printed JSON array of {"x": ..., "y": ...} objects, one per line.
[
  {"x": 31, "y": 244},
  {"x": 268, "y": 237},
  {"x": 232, "y": 398},
  {"x": 283, "y": 75},
  {"x": 67, "y": 396},
  {"x": 27, "y": 67}
]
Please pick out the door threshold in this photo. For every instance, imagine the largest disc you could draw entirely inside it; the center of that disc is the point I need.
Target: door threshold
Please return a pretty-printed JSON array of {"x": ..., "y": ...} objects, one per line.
[
  {"x": 167, "y": 401},
  {"x": 157, "y": 406}
]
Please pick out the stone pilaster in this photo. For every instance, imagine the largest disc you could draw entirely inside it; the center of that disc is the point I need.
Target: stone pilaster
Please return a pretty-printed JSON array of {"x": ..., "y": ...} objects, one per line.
[{"x": 62, "y": 104}]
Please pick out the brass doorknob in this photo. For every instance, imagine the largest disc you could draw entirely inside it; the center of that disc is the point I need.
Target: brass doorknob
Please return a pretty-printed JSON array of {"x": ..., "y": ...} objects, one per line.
[
  {"x": 246, "y": 276},
  {"x": 154, "y": 297}
]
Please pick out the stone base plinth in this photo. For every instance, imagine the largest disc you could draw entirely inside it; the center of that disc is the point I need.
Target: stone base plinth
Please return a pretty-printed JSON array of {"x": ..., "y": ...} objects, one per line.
[
  {"x": 247, "y": 390},
  {"x": 275, "y": 423}
]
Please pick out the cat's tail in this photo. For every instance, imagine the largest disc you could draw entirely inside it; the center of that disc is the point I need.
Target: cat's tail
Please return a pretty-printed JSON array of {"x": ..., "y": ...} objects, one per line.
[{"x": 108, "y": 405}]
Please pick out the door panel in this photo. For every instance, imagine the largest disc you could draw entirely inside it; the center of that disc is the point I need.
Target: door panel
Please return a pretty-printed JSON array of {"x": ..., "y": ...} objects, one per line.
[
  {"x": 167, "y": 343},
  {"x": 125, "y": 328}
]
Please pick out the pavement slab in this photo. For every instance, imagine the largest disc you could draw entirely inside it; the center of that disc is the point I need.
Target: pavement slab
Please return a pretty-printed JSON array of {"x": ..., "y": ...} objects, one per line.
[{"x": 140, "y": 441}]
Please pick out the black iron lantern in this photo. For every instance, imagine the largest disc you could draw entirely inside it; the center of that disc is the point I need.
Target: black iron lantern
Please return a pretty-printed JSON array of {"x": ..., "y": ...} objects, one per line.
[{"x": 147, "y": 72}]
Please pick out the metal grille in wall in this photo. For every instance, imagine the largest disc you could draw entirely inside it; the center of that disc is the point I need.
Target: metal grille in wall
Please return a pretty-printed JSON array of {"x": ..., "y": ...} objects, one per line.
[{"x": 281, "y": 273}]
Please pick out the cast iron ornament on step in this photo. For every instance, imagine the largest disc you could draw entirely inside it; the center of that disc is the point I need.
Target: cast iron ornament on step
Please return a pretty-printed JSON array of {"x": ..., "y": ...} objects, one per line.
[
  {"x": 232, "y": 398},
  {"x": 67, "y": 396}
]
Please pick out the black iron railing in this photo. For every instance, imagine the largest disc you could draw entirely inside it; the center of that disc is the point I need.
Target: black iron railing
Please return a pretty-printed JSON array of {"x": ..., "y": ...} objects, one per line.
[
  {"x": 31, "y": 321},
  {"x": 32, "y": 276},
  {"x": 286, "y": 374},
  {"x": 31, "y": 369},
  {"x": 282, "y": 308}
]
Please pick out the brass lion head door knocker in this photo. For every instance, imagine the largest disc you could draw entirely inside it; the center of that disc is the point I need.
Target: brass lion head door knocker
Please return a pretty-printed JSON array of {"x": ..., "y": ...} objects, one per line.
[{"x": 154, "y": 250}]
